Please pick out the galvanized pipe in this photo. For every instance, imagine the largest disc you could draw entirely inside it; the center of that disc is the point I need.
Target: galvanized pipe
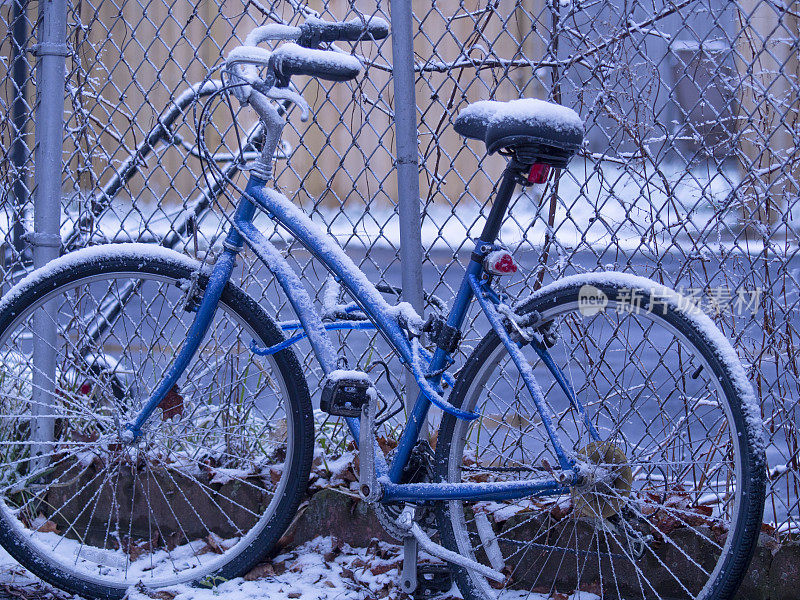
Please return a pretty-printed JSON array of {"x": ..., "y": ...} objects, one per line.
[
  {"x": 46, "y": 241},
  {"x": 51, "y": 52},
  {"x": 407, "y": 151},
  {"x": 19, "y": 120}
]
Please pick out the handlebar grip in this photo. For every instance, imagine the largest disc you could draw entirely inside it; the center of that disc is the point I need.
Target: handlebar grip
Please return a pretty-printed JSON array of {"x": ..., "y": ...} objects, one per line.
[
  {"x": 316, "y": 31},
  {"x": 292, "y": 59}
]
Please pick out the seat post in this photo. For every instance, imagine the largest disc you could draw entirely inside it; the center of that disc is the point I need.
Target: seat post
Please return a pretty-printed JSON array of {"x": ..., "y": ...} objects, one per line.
[{"x": 502, "y": 199}]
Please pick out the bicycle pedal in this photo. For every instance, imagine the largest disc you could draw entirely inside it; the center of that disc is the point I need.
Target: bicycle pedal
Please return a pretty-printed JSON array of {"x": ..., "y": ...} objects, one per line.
[
  {"x": 433, "y": 580},
  {"x": 345, "y": 394}
]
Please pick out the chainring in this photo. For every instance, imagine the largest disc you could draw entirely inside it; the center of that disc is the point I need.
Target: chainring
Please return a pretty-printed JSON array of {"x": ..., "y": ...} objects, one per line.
[{"x": 418, "y": 470}]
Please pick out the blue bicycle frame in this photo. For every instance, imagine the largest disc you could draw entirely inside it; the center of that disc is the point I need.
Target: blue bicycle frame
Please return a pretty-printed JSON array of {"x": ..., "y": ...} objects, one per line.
[{"x": 258, "y": 196}]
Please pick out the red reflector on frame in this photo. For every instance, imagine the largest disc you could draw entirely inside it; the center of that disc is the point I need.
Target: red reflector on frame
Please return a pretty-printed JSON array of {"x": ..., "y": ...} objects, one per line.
[
  {"x": 539, "y": 173},
  {"x": 500, "y": 262}
]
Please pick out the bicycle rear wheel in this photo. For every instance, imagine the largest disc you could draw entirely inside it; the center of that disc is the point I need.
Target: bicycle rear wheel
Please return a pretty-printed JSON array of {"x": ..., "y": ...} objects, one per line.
[
  {"x": 679, "y": 470},
  {"x": 221, "y": 467}
]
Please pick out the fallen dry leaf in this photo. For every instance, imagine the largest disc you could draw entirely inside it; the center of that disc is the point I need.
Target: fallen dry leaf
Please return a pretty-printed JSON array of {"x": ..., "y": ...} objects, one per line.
[
  {"x": 384, "y": 568},
  {"x": 48, "y": 527},
  {"x": 260, "y": 572},
  {"x": 172, "y": 404}
]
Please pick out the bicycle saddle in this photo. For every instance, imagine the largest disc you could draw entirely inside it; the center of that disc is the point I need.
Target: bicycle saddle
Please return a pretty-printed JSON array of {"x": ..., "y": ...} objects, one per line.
[{"x": 551, "y": 132}]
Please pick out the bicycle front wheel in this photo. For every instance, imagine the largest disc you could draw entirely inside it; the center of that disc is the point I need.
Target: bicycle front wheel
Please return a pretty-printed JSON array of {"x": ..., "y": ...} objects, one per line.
[
  {"x": 221, "y": 466},
  {"x": 674, "y": 476}
]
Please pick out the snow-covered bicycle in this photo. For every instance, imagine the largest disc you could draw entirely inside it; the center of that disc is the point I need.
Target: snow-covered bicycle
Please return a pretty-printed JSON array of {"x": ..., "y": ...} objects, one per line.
[{"x": 156, "y": 426}]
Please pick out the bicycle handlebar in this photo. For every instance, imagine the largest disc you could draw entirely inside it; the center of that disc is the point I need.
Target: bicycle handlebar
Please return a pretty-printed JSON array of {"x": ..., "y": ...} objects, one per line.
[
  {"x": 302, "y": 58},
  {"x": 292, "y": 59},
  {"x": 316, "y": 31},
  {"x": 272, "y": 31}
]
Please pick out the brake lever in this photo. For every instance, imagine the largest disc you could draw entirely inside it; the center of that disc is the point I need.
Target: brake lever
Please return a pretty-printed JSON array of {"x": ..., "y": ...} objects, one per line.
[
  {"x": 244, "y": 77},
  {"x": 276, "y": 93}
]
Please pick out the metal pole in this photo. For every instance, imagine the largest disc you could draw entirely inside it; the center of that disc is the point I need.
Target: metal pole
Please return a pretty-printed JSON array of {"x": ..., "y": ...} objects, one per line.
[
  {"x": 405, "y": 114},
  {"x": 19, "y": 119},
  {"x": 51, "y": 52}
]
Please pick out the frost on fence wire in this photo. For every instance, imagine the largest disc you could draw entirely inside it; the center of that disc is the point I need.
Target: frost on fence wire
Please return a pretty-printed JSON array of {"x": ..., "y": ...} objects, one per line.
[{"x": 689, "y": 174}]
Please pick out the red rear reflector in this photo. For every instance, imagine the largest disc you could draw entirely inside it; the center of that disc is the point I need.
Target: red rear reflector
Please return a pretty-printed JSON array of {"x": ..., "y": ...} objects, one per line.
[
  {"x": 539, "y": 173},
  {"x": 500, "y": 262}
]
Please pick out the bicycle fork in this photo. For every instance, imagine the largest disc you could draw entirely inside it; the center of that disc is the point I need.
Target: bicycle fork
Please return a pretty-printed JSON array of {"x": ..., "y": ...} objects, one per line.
[{"x": 197, "y": 331}]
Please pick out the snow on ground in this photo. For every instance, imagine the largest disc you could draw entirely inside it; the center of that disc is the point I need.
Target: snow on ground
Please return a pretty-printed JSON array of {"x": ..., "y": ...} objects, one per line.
[
  {"x": 319, "y": 570},
  {"x": 17, "y": 581},
  {"x": 322, "y": 569}
]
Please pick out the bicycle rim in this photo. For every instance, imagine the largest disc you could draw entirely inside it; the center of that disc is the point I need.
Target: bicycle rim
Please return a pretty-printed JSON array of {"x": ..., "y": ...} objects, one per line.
[
  {"x": 662, "y": 519},
  {"x": 208, "y": 475}
]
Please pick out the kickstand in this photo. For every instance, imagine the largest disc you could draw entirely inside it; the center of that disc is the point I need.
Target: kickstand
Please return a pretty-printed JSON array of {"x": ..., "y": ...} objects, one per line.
[{"x": 408, "y": 577}]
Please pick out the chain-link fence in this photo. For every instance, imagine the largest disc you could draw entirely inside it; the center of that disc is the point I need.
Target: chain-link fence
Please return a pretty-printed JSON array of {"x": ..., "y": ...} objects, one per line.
[{"x": 690, "y": 173}]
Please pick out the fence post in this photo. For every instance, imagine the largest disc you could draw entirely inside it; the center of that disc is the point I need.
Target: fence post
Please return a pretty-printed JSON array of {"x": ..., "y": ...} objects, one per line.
[
  {"x": 405, "y": 124},
  {"x": 51, "y": 52},
  {"x": 19, "y": 120}
]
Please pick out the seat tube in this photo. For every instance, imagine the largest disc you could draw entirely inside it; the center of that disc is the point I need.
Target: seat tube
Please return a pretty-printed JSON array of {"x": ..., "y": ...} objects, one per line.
[
  {"x": 419, "y": 412},
  {"x": 498, "y": 211},
  {"x": 457, "y": 315}
]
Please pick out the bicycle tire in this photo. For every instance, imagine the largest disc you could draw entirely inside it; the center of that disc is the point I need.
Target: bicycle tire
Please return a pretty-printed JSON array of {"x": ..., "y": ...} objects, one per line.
[
  {"x": 222, "y": 466},
  {"x": 636, "y": 537}
]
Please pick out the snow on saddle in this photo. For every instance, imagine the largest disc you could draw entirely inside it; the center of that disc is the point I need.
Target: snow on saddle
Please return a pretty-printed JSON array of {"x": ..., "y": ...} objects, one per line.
[{"x": 549, "y": 133}]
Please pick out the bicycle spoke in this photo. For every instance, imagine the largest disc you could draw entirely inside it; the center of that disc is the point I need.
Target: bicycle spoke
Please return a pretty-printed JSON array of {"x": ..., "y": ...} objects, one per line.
[
  {"x": 656, "y": 523},
  {"x": 204, "y": 476}
]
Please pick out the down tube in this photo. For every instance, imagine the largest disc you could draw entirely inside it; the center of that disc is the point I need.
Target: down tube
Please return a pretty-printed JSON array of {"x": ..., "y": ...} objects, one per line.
[{"x": 312, "y": 325}]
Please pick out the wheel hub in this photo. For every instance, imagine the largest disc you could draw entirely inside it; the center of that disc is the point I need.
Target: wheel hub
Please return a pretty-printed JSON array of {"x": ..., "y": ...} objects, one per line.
[{"x": 607, "y": 481}]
